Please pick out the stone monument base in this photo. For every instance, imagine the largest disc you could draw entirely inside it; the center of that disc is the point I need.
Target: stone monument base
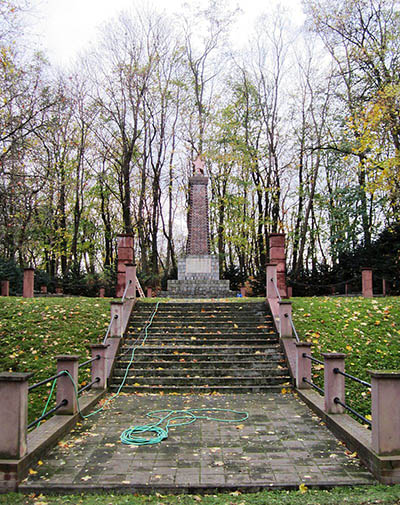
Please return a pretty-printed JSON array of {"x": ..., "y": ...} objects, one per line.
[{"x": 198, "y": 277}]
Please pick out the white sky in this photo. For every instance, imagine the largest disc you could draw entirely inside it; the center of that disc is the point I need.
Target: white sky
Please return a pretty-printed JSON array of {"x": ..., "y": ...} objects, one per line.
[{"x": 67, "y": 27}]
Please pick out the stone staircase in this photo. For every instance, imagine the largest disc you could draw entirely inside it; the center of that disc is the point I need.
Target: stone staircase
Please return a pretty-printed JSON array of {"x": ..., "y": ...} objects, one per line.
[{"x": 203, "y": 347}]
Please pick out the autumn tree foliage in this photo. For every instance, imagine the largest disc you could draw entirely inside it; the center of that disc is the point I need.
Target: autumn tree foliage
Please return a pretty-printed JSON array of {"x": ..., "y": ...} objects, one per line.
[{"x": 299, "y": 129}]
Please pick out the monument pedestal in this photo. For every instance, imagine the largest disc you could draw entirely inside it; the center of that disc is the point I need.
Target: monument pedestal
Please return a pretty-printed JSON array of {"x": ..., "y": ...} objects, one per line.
[{"x": 198, "y": 277}]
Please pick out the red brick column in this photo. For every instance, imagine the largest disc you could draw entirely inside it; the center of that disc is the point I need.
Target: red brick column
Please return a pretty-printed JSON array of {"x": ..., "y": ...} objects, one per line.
[
  {"x": 29, "y": 278},
  {"x": 277, "y": 255},
  {"x": 5, "y": 288},
  {"x": 125, "y": 256},
  {"x": 198, "y": 236},
  {"x": 367, "y": 285}
]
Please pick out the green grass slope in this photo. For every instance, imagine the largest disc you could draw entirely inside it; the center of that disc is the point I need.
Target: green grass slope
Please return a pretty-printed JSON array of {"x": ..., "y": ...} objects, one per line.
[{"x": 367, "y": 330}]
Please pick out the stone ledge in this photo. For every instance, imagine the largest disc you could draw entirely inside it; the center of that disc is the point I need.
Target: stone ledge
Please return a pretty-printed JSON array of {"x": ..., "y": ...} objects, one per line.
[
  {"x": 40, "y": 441},
  {"x": 357, "y": 438}
]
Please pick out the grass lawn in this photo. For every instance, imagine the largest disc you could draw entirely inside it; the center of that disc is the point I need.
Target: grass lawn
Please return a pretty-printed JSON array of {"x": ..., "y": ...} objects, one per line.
[
  {"x": 367, "y": 330},
  {"x": 383, "y": 495},
  {"x": 35, "y": 330}
]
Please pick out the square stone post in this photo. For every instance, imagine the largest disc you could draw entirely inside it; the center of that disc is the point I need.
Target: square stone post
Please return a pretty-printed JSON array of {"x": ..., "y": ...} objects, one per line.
[
  {"x": 116, "y": 316},
  {"x": 29, "y": 279},
  {"x": 13, "y": 414},
  {"x": 99, "y": 369},
  {"x": 367, "y": 285},
  {"x": 243, "y": 291},
  {"x": 149, "y": 292},
  {"x": 277, "y": 255},
  {"x": 271, "y": 280},
  {"x": 59, "y": 290},
  {"x": 124, "y": 257},
  {"x": 384, "y": 287},
  {"x": 285, "y": 314},
  {"x": 5, "y": 288},
  {"x": 385, "y": 399},
  {"x": 334, "y": 383},
  {"x": 130, "y": 277},
  {"x": 290, "y": 291},
  {"x": 102, "y": 292},
  {"x": 43, "y": 290},
  {"x": 65, "y": 388},
  {"x": 303, "y": 365}
]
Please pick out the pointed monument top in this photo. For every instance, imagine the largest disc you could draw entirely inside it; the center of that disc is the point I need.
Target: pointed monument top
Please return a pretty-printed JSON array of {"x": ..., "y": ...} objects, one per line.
[{"x": 198, "y": 165}]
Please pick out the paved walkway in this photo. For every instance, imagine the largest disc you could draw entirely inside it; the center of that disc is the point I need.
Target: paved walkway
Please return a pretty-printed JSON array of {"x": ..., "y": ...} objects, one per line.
[{"x": 282, "y": 444}]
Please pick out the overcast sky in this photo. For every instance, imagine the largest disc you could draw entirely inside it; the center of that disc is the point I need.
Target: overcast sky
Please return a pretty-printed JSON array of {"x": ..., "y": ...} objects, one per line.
[{"x": 66, "y": 27}]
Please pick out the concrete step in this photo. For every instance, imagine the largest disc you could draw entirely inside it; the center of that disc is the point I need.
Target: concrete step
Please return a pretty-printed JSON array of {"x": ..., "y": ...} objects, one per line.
[
  {"x": 204, "y": 389},
  {"x": 204, "y": 381},
  {"x": 203, "y": 365},
  {"x": 195, "y": 373},
  {"x": 200, "y": 340}
]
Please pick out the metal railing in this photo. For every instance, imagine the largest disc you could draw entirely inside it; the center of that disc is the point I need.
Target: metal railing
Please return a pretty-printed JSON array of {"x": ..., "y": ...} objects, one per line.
[
  {"x": 126, "y": 290},
  {"x": 337, "y": 400},
  {"x": 63, "y": 402},
  {"x": 296, "y": 336},
  {"x": 276, "y": 289},
  {"x": 313, "y": 385},
  {"x": 355, "y": 379},
  {"x": 109, "y": 327},
  {"x": 354, "y": 412}
]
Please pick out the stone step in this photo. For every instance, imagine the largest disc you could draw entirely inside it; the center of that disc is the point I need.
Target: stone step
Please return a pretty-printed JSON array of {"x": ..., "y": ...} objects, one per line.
[
  {"x": 207, "y": 350},
  {"x": 207, "y": 389},
  {"x": 210, "y": 341},
  {"x": 205, "y": 364},
  {"x": 195, "y": 373},
  {"x": 205, "y": 381}
]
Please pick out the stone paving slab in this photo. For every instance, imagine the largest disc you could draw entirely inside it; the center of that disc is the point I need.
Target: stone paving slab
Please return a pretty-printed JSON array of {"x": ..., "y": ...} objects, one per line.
[{"x": 282, "y": 445}]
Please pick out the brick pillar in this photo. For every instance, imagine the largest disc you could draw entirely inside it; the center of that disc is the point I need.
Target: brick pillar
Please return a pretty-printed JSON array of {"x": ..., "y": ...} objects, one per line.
[
  {"x": 43, "y": 290},
  {"x": 149, "y": 293},
  {"x": 367, "y": 286},
  {"x": 13, "y": 414},
  {"x": 198, "y": 230},
  {"x": 285, "y": 314},
  {"x": 59, "y": 290},
  {"x": 385, "y": 395},
  {"x": 303, "y": 365},
  {"x": 29, "y": 279},
  {"x": 99, "y": 369},
  {"x": 65, "y": 388},
  {"x": 270, "y": 280},
  {"x": 125, "y": 256},
  {"x": 116, "y": 316},
  {"x": 290, "y": 291},
  {"x": 131, "y": 279},
  {"x": 5, "y": 288},
  {"x": 277, "y": 255},
  {"x": 333, "y": 382},
  {"x": 102, "y": 292}
]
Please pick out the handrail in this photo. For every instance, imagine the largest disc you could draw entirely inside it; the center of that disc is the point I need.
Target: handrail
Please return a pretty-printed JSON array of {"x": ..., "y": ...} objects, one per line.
[
  {"x": 276, "y": 289},
  {"x": 315, "y": 360},
  {"x": 89, "y": 361},
  {"x": 320, "y": 390},
  {"x": 344, "y": 405},
  {"x": 49, "y": 412},
  {"x": 356, "y": 379},
  {"x": 296, "y": 336},
  {"x": 126, "y": 290},
  {"x": 45, "y": 381},
  {"x": 88, "y": 386},
  {"x": 109, "y": 328}
]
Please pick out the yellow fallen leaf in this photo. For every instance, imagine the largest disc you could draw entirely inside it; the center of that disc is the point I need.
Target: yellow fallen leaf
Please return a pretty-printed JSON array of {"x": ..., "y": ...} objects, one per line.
[
  {"x": 283, "y": 391},
  {"x": 32, "y": 472},
  {"x": 303, "y": 488},
  {"x": 40, "y": 462},
  {"x": 240, "y": 426}
]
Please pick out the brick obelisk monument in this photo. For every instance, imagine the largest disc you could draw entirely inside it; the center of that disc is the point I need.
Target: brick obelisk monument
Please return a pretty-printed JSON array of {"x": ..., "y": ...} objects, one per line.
[{"x": 198, "y": 271}]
